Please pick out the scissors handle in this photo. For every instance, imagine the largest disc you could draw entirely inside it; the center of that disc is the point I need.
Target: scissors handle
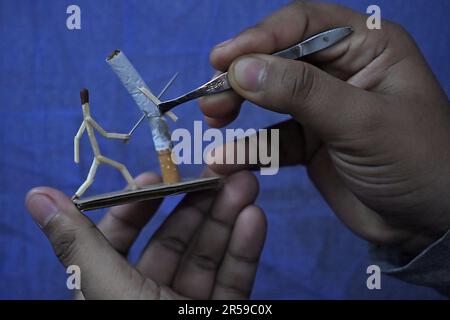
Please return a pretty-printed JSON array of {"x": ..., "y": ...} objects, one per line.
[{"x": 220, "y": 83}]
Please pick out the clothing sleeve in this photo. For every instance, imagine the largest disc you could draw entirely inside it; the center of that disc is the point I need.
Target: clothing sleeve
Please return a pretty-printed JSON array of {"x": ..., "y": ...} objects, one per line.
[{"x": 431, "y": 268}]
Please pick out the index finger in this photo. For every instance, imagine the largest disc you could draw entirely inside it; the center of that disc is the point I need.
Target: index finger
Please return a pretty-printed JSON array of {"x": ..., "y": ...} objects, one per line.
[
  {"x": 285, "y": 28},
  {"x": 122, "y": 224}
]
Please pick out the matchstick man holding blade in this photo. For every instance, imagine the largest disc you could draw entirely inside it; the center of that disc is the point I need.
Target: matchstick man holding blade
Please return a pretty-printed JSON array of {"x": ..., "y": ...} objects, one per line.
[{"x": 89, "y": 124}]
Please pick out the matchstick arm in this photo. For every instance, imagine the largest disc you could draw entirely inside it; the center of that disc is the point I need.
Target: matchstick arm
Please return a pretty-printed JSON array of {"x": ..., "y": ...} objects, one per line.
[
  {"x": 76, "y": 143},
  {"x": 108, "y": 135},
  {"x": 156, "y": 101}
]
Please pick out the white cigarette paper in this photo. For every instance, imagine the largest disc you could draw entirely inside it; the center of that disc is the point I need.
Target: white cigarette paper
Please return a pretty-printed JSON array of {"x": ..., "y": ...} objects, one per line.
[{"x": 134, "y": 84}]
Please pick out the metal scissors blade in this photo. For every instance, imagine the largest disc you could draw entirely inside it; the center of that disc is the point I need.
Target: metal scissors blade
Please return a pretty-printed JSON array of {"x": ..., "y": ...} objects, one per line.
[{"x": 220, "y": 83}]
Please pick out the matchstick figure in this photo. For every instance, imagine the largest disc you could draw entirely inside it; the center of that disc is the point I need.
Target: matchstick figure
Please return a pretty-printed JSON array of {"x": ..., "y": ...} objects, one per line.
[{"x": 89, "y": 124}]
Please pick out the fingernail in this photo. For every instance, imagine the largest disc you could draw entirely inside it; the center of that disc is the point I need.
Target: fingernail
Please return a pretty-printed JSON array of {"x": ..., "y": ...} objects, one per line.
[
  {"x": 249, "y": 73},
  {"x": 42, "y": 208},
  {"x": 223, "y": 44},
  {"x": 216, "y": 74}
]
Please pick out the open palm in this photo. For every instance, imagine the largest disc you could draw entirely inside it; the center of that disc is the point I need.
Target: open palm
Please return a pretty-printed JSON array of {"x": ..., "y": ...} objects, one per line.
[{"x": 208, "y": 247}]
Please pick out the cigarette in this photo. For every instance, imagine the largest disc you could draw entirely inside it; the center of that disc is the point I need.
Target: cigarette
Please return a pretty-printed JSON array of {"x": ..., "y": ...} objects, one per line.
[
  {"x": 133, "y": 82},
  {"x": 168, "y": 168}
]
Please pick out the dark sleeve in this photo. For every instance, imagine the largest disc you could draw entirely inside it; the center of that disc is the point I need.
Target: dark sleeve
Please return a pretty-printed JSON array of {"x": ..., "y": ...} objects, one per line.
[{"x": 431, "y": 268}]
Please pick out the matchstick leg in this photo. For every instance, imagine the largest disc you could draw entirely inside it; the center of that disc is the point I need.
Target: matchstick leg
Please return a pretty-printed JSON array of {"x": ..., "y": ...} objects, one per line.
[
  {"x": 119, "y": 166},
  {"x": 89, "y": 179}
]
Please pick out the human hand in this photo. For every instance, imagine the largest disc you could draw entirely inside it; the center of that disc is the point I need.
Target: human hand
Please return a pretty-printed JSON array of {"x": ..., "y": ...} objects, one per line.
[
  {"x": 207, "y": 248},
  {"x": 370, "y": 121}
]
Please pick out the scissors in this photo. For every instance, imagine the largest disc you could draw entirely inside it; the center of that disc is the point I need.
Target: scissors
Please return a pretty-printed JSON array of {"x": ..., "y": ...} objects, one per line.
[{"x": 220, "y": 83}]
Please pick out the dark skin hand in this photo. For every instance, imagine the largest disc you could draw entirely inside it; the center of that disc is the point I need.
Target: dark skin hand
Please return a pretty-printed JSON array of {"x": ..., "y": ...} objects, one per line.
[
  {"x": 369, "y": 119},
  {"x": 208, "y": 247}
]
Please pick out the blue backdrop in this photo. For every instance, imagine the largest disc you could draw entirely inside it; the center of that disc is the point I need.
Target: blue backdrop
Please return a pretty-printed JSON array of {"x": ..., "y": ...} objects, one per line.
[{"x": 308, "y": 253}]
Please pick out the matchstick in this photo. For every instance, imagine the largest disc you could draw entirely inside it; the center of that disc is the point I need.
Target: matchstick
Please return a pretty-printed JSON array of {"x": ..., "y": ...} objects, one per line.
[
  {"x": 84, "y": 95},
  {"x": 89, "y": 125},
  {"x": 160, "y": 132}
]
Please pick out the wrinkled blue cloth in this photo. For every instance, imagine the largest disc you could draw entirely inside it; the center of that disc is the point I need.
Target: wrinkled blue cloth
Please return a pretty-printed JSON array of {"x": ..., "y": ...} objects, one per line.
[{"x": 309, "y": 254}]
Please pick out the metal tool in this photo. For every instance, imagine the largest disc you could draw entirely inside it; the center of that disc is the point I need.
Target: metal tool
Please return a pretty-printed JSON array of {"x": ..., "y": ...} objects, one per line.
[
  {"x": 145, "y": 115},
  {"x": 219, "y": 84}
]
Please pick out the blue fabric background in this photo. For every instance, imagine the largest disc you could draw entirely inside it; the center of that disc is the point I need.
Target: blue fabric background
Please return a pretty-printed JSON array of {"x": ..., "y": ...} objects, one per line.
[{"x": 308, "y": 254}]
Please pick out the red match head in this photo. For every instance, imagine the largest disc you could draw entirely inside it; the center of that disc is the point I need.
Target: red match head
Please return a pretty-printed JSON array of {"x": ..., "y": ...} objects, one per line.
[{"x": 84, "y": 95}]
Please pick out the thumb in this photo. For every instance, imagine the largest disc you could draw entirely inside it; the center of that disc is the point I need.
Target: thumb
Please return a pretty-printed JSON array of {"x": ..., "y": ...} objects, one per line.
[
  {"x": 105, "y": 274},
  {"x": 325, "y": 104}
]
